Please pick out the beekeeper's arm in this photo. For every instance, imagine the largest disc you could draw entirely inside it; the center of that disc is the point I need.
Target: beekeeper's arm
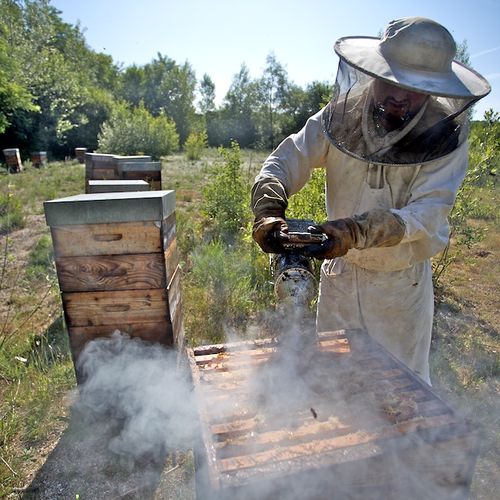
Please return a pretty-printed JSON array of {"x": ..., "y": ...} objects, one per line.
[
  {"x": 422, "y": 223},
  {"x": 431, "y": 200},
  {"x": 284, "y": 173}
]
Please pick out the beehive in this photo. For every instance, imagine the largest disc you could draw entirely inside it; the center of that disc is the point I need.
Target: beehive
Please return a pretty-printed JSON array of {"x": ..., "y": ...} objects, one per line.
[
  {"x": 117, "y": 265},
  {"x": 80, "y": 154},
  {"x": 39, "y": 159},
  {"x": 361, "y": 426},
  {"x": 13, "y": 160},
  {"x": 105, "y": 166},
  {"x": 148, "y": 171}
]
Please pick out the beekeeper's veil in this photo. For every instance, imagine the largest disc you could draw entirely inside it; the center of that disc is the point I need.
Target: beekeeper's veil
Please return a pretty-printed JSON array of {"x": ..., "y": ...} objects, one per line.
[{"x": 401, "y": 99}]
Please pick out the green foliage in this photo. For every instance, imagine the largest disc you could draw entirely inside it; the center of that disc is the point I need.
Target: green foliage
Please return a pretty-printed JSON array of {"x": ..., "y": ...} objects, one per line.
[
  {"x": 11, "y": 213},
  {"x": 227, "y": 196},
  {"x": 164, "y": 87},
  {"x": 136, "y": 131},
  {"x": 195, "y": 144},
  {"x": 309, "y": 203},
  {"x": 207, "y": 91},
  {"x": 222, "y": 290},
  {"x": 484, "y": 159},
  {"x": 41, "y": 260},
  {"x": 14, "y": 95}
]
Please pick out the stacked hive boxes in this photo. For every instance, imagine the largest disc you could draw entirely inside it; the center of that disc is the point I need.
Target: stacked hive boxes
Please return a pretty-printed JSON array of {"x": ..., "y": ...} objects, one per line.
[
  {"x": 149, "y": 171},
  {"x": 39, "y": 159},
  {"x": 117, "y": 265},
  {"x": 116, "y": 167}
]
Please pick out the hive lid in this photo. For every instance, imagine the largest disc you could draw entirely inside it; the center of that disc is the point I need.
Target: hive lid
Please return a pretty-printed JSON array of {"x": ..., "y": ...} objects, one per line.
[{"x": 101, "y": 208}]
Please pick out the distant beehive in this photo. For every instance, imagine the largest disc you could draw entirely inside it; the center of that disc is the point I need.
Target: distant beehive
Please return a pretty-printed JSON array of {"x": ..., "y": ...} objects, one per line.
[
  {"x": 148, "y": 171},
  {"x": 105, "y": 166},
  {"x": 117, "y": 265},
  {"x": 80, "y": 154},
  {"x": 13, "y": 160},
  {"x": 39, "y": 159}
]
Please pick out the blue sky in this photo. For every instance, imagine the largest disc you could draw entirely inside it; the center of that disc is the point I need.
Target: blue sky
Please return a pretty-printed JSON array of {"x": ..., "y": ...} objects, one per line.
[{"x": 217, "y": 36}]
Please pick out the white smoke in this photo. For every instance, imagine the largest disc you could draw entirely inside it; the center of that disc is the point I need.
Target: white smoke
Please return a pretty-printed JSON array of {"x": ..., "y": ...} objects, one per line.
[
  {"x": 300, "y": 387},
  {"x": 139, "y": 386}
]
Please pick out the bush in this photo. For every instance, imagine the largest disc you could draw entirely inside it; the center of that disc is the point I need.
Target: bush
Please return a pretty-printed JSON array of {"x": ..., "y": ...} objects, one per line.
[
  {"x": 195, "y": 144},
  {"x": 309, "y": 203},
  {"x": 227, "y": 196},
  {"x": 135, "y": 131},
  {"x": 224, "y": 287}
]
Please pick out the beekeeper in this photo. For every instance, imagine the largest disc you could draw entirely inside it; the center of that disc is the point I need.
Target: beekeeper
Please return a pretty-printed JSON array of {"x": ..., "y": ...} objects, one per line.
[{"x": 393, "y": 143}]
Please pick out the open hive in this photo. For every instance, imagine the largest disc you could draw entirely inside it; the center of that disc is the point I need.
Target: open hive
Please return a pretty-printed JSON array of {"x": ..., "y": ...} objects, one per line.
[{"x": 352, "y": 422}]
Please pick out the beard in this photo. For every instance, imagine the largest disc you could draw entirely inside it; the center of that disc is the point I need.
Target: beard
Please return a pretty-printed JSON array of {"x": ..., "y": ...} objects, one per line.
[{"x": 391, "y": 114}]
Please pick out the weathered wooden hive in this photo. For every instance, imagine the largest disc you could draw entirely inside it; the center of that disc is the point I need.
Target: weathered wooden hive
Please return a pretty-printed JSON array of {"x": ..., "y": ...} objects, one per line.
[
  {"x": 13, "y": 160},
  {"x": 39, "y": 159},
  {"x": 362, "y": 425},
  {"x": 80, "y": 154},
  {"x": 105, "y": 166},
  {"x": 149, "y": 171},
  {"x": 117, "y": 265}
]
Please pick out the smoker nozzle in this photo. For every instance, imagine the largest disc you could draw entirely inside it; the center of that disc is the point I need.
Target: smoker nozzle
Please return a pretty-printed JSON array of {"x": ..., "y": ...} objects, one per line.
[{"x": 293, "y": 276}]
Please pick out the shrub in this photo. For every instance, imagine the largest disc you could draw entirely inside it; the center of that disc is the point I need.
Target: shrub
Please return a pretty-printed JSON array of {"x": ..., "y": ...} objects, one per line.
[
  {"x": 136, "y": 131},
  {"x": 224, "y": 287},
  {"x": 227, "y": 196},
  {"x": 195, "y": 144},
  {"x": 309, "y": 203}
]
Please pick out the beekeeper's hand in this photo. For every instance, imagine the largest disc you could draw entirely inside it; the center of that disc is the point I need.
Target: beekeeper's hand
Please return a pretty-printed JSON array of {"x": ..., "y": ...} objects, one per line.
[
  {"x": 375, "y": 228},
  {"x": 269, "y": 202}
]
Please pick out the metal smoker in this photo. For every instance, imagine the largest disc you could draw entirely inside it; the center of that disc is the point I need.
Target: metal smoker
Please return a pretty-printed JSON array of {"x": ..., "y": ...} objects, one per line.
[
  {"x": 292, "y": 271},
  {"x": 295, "y": 286}
]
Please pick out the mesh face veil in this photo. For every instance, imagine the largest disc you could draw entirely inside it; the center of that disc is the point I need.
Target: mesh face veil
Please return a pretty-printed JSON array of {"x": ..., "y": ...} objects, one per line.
[{"x": 378, "y": 121}]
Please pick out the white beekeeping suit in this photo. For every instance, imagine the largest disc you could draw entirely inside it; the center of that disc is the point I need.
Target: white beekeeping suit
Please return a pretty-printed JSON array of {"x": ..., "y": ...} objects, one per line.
[{"x": 393, "y": 144}]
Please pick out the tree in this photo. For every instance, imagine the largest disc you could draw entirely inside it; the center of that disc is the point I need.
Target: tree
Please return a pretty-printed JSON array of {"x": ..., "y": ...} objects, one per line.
[
  {"x": 235, "y": 121},
  {"x": 274, "y": 88},
  {"x": 134, "y": 130},
  {"x": 55, "y": 66},
  {"x": 14, "y": 94},
  {"x": 163, "y": 86},
  {"x": 207, "y": 91}
]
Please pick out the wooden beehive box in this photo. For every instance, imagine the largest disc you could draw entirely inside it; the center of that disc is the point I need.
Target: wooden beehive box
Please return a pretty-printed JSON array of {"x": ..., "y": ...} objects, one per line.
[
  {"x": 13, "y": 160},
  {"x": 39, "y": 159},
  {"x": 148, "y": 171},
  {"x": 117, "y": 265},
  {"x": 354, "y": 424},
  {"x": 105, "y": 166}
]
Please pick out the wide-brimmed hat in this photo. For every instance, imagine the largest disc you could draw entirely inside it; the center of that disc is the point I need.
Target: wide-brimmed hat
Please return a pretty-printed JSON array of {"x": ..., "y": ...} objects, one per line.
[{"x": 415, "y": 53}]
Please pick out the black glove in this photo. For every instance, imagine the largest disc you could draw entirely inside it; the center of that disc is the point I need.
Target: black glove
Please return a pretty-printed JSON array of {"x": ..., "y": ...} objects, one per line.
[
  {"x": 269, "y": 202},
  {"x": 375, "y": 228}
]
